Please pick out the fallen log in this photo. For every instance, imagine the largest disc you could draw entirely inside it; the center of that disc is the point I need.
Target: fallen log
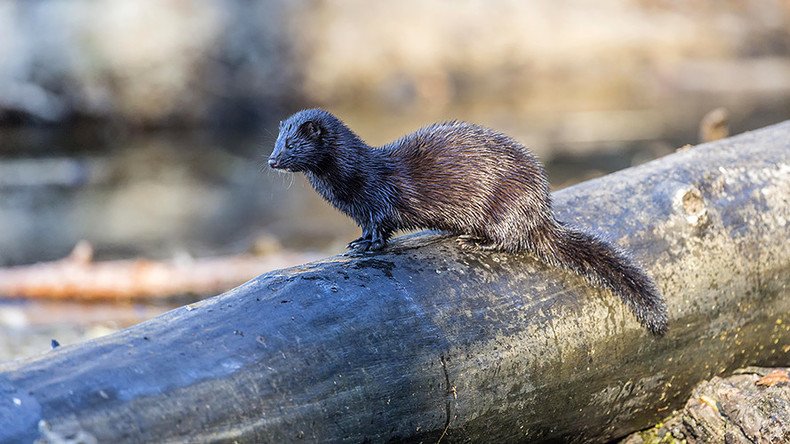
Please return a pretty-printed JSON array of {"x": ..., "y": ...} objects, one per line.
[
  {"x": 751, "y": 406},
  {"x": 78, "y": 277},
  {"x": 424, "y": 342}
]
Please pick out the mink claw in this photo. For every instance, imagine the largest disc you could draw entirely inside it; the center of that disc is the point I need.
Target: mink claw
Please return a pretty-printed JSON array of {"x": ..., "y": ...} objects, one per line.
[
  {"x": 357, "y": 243},
  {"x": 359, "y": 246},
  {"x": 468, "y": 243},
  {"x": 376, "y": 245}
]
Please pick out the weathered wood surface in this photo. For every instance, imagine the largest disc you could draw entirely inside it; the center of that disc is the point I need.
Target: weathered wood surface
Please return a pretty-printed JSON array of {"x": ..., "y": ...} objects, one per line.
[
  {"x": 78, "y": 277},
  {"x": 751, "y": 406},
  {"x": 424, "y": 341}
]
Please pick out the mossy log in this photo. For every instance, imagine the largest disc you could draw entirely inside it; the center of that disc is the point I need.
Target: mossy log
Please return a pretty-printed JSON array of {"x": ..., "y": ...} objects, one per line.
[{"x": 425, "y": 342}]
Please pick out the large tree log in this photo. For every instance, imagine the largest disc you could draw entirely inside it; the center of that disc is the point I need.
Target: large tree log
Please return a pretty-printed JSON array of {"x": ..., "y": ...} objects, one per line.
[{"x": 426, "y": 342}]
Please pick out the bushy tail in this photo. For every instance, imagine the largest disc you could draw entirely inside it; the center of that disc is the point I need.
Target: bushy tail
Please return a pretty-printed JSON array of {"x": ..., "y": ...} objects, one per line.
[{"x": 604, "y": 265}]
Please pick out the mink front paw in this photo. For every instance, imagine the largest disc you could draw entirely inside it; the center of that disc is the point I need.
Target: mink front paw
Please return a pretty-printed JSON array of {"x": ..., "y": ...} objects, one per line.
[
  {"x": 376, "y": 245},
  {"x": 358, "y": 243},
  {"x": 359, "y": 246},
  {"x": 363, "y": 245}
]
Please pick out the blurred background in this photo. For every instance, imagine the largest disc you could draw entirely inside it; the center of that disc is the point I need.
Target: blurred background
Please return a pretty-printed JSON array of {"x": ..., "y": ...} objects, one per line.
[{"x": 143, "y": 127}]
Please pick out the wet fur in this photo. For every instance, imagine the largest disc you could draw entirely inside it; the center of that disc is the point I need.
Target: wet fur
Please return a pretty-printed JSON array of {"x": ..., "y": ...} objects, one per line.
[{"x": 461, "y": 178}]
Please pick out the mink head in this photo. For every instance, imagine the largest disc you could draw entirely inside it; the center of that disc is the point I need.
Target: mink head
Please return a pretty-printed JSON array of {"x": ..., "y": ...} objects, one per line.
[{"x": 303, "y": 142}]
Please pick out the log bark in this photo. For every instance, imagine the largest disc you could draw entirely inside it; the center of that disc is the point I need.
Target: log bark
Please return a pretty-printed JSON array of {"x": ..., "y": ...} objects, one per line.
[
  {"x": 751, "y": 406},
  {"x": 77, "y": 277},
  {"x": 424, "y": 342}
]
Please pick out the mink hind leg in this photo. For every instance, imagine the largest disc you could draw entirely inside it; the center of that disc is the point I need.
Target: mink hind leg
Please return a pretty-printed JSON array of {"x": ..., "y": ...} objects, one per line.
[{"x": 469, "y": 242}]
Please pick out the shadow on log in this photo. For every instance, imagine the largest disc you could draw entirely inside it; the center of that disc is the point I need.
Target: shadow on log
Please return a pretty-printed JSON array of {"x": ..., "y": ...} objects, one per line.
[{"x": 425, "y": 342}]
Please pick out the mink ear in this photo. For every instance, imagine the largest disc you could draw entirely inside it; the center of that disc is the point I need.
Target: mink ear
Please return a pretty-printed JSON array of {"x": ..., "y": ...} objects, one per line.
[{"x": 312, "y": 129}]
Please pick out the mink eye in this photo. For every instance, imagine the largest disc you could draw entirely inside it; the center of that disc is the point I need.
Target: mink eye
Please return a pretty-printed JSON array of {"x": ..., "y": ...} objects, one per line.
[{"x": 289, "y": 145}]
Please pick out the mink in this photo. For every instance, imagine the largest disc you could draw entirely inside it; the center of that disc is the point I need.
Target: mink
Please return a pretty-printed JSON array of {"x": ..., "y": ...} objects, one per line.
[{"x": 461, "y": 178}]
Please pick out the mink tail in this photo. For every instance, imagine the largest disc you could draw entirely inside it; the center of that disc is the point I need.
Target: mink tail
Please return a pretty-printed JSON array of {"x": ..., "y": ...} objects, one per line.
[{"x": 605, "y": 265}]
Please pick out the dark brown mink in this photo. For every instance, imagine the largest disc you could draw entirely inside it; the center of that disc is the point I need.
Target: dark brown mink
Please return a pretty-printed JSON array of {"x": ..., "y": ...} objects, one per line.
[{"x": 461, "y": 178}]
